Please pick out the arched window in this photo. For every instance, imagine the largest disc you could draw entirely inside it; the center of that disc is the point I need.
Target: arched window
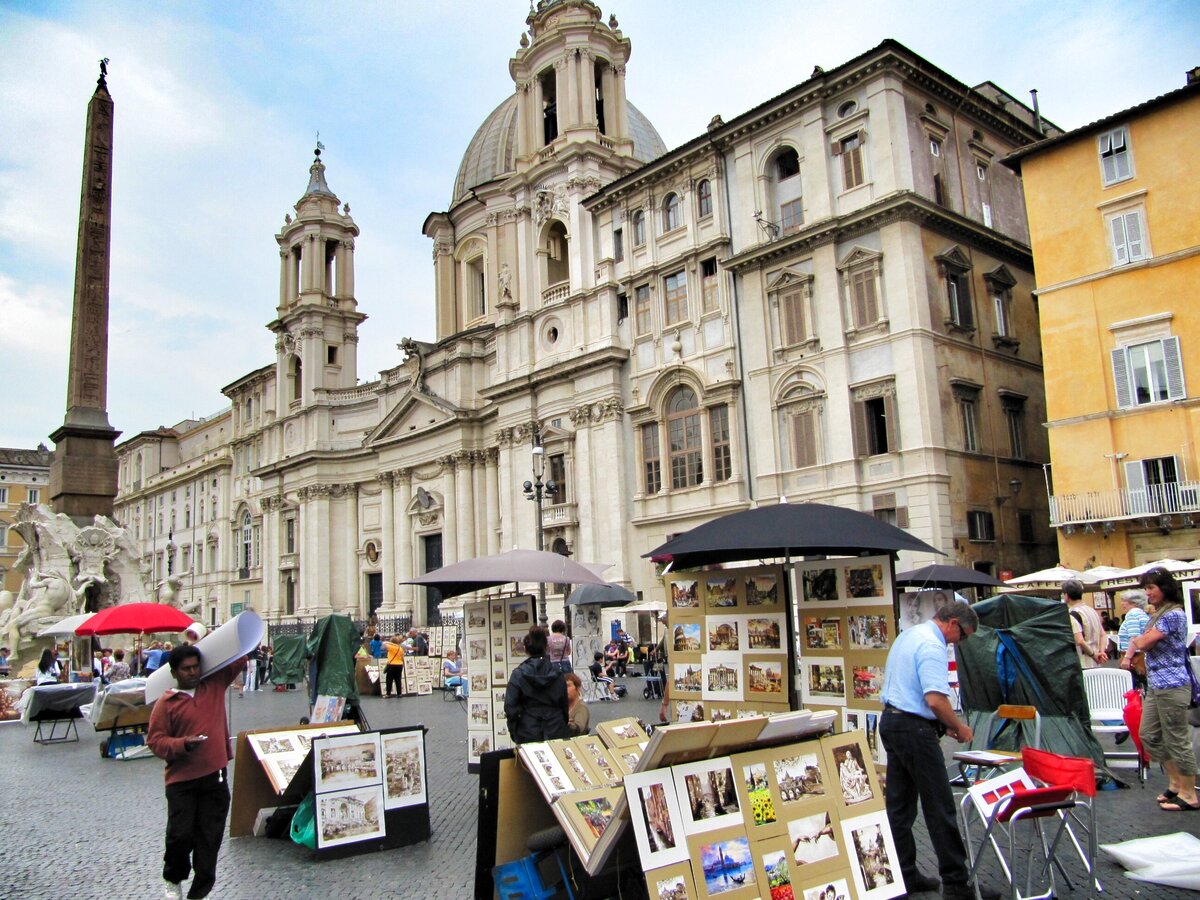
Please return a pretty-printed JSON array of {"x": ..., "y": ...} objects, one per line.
[
  {"x": 247, "y": 540},
  {"x": 786, "y": 186},
  {"x": 704, "y": 199},
  {"x": 297, "y": 379},
  {"x": 684, "y": 439},
  {"x": 558, "y": 270},
  {"x": 672, "y": 212},
  {"x": 639, "y": 229}
]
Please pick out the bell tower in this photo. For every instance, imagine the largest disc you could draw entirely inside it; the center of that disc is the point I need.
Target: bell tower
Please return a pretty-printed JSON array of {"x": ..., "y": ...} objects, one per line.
[
  {"x": 317, "y": 317},
  {"x": 570, "y": 83}
]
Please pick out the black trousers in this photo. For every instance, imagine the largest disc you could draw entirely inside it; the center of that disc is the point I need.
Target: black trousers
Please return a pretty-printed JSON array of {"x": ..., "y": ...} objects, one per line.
[
  {"x": 917, "y": 771},
  {"x": 392, "y": 675},
  {"x": 196, "y": 812}
]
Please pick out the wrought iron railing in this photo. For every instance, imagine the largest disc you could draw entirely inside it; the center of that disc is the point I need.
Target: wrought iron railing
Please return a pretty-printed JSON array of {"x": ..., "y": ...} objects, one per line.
[{"x": 1103, "y": 506}]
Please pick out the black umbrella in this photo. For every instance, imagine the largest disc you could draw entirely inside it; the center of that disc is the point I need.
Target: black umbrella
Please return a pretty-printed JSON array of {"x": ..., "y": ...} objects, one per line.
[
  {"x": 514, "y": 566},
  {"x": 604, "y": 594},
  {"x": 785, "y": 530},
  {"x": 948, "y": 577}
]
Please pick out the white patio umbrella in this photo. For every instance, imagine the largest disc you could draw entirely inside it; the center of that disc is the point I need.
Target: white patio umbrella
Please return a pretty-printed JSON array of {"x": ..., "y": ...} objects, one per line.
[
  {"x": 1046, "y": 580},
  {"x": 1178, "y": 568},
  {"x": 65, "y": 626}
]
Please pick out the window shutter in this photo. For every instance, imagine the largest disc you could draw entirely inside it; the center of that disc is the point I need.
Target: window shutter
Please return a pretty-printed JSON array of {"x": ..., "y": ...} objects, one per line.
[
  {"x": 1120, "y": 366},
  {"x": 1176, "y": 389},
  {"x": 1135, "y": 485},
  {"x": 893, "y": 433},
  {"x": 1133, "y": 231},
  {"x": 858, "y": 425},
  {"x": 804, "y": 440},
  {"x": 1110, "y": 168},
  {"x": 836, "y": 148},
  {"x": 901, "y": 516},
  {"x": 1120, "y": 250}
]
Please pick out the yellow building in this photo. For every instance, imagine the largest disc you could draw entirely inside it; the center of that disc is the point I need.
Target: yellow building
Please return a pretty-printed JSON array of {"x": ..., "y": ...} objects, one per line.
[
  {"x": 1114, "y": 219},
  {"x": 24, "y": 478}
]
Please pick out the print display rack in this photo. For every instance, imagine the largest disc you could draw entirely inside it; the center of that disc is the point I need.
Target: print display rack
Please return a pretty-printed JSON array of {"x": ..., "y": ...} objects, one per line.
[
  {"x": 492, "y": 648},
  {"x": 370, "y": 787}
]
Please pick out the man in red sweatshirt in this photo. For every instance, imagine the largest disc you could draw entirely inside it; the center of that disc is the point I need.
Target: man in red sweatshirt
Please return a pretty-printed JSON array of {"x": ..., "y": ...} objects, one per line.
[{"x": 188, "y": 729}]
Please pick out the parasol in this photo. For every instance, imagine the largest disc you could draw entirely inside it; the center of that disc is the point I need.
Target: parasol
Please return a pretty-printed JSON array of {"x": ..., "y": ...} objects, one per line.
[
  {"x": 509, "y": 567},
  {"x": 65, "y": 626},
  {"x": 949, "y": 577},
  {"x": 135, "y": 618}
]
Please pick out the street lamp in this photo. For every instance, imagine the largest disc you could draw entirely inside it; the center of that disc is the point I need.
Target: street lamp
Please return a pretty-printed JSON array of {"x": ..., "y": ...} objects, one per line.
[{"x": 535, "y": 490}]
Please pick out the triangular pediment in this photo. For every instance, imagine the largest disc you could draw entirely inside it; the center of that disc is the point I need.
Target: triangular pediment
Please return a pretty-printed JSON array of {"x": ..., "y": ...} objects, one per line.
[
  {"x": 859, "y": 256},
  {"x": 415, "y": 412},
  {"x": 1001, "y": 276},
  {"x": 954, "y": 258},
  {"x": 786, "y": 278}
]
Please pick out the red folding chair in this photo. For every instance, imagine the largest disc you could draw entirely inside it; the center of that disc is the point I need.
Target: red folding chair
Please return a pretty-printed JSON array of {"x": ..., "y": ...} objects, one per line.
[{"x": 1064, "y": 797}]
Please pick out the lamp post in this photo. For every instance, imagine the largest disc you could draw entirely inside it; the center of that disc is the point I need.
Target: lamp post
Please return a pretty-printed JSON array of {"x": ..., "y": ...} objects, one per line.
[{"x": 536, "y": 490}]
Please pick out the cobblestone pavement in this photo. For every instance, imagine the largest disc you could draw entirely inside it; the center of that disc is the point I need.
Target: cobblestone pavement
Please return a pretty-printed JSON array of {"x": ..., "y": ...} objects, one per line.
[{"x": 78, "y": 825}]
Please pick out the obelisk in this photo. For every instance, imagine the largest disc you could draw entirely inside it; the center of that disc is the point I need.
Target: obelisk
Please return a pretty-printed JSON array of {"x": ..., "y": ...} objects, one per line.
[{"x": 83, "y": 476}]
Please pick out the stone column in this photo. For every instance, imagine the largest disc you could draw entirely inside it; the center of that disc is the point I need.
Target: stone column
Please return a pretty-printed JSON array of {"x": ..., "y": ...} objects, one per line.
[
  {"x": 322, "y": 541},
  {"x": 620, "y": 109},
  {"x": 270, "y": 555},
  {"x": 389, "y": 541},
  {"x": 404, "y": 541},
  {"x": 587, "y": 88},
  {"x": 346, "y": 269},
  {"x": 492, "y": 500},
  {"x": 466, "y": 507},
  {"x": 354, "y": 605},
  {"x": 284, "y": 278},
  {"x": 450, "y": 509}
]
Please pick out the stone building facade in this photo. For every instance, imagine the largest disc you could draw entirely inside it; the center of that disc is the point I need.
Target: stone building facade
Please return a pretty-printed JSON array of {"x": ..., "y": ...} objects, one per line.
[{"x": 827, "y": 298}]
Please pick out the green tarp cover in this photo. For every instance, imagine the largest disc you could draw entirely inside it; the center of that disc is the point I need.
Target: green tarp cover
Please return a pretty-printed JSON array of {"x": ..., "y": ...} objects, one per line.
[
  {"x": 287, "y": 660},
  {"x": 1024, "y": 653},
  {"x": 331, "y": 647}
]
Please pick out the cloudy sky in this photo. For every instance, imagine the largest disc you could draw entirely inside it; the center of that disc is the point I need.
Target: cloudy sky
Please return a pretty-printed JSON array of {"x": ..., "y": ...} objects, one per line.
[{"x": 218, "y": 105}]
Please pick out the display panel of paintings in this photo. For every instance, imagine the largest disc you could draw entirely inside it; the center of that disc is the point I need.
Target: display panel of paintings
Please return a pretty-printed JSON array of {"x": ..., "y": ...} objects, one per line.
[
  {"x": 798, "y": 778},
  {"x": 773, "y": 866},
  {"x": 602, "y": 760},
  {"x": 624, "y": 732},
  {"x": 403, "y": 769},
  {"x": 874, "y": 867},
  {"x": 751, "y": 770},
  {"x": 588, "y": 814},
  {"x": 708, "y": 796},
  {"x": 546, "y": 769},
  {"x": 721, "y": 592},
  {"x": 575, "y": 763},
  {"x": 866, "y": 721},
  {"x": 823, "y": 680},
  {"x": 815, "y": 845},
  {"x": 722, "y": 677},
  {"x": 674, "y": 882},
  {"x": 847, "y": 582},
  {"x": 852, "y": 780},
  {"x": 723, "y": 865},
  {"x": 657, "y": 817}
]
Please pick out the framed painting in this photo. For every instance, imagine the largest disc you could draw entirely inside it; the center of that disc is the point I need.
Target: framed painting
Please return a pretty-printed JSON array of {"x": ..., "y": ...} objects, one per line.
[
  {"x": 723, "y": 865},
  {"x": 874, "y": 867},
  {"x": 708, "y": 795},
  {"x": 751, "y": 770},
  {"x": 657, "y": 818},
  {"x": 853, "y": 782}
]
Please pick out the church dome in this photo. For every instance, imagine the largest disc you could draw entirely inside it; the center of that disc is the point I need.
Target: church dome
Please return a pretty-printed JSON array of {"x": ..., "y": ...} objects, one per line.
[{"x": 492, "y": 150}]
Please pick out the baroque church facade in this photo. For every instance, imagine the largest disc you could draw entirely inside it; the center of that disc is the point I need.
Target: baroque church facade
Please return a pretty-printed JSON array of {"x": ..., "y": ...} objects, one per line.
[{"x": 827, "y": 298}]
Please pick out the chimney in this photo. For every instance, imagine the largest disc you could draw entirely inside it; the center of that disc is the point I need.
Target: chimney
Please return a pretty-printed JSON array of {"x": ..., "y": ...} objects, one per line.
[
  {"x": 1193, "y": 75},
  {"x": 1037, "y": 114}
]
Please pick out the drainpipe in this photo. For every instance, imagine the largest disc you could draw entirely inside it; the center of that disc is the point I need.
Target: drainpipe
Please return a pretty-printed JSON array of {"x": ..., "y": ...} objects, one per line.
[{"x": 1037, "y": 114}]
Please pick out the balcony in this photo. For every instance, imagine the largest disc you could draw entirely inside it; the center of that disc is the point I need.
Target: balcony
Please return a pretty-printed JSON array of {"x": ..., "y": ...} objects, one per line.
[
  {"x": 1116, "y": 505},
  {"x": 556, "y": 293},
  {"x": 560, "y": 514}
]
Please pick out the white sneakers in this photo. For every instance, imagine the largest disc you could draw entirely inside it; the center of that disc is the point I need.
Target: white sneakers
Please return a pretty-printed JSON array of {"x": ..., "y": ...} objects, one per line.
[{"x": 172, "y": 891}]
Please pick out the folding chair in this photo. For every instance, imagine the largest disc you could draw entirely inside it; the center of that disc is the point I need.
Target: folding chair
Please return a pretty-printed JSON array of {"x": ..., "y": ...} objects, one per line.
[
  {"x": 1065, "y": 793},
  {"x": 1106, "y": 689},
  {"x": 594, "y": 690}
]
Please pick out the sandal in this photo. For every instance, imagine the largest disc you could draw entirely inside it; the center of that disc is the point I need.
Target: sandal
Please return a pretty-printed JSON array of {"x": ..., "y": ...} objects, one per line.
[
  {"x": 1179, "y": 805},
  {"x": 1166, "y": 796}
]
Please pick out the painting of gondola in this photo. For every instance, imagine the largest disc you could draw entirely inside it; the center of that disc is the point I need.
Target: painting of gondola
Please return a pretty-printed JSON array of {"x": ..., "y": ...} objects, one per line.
[{"x": 727, "y": 866}]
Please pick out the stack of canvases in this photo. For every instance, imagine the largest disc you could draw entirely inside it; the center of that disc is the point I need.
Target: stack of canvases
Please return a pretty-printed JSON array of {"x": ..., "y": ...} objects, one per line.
[
  {"x": 727, "y": 654},
  {"x": 804, "y": 820},
  {"x": 494, "y": 647}
]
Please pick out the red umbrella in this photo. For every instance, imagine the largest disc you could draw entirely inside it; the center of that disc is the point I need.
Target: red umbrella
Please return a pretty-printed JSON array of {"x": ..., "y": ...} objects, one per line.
[{"x": 135, "y": 618}]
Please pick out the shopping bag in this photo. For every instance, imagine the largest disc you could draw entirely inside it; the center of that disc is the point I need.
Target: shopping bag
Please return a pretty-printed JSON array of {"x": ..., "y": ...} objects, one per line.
[{"x": 304, "y": 822}]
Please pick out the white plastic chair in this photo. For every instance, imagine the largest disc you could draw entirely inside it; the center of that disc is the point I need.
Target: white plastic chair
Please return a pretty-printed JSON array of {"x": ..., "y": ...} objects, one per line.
[{"x": 1106, "y": 689}]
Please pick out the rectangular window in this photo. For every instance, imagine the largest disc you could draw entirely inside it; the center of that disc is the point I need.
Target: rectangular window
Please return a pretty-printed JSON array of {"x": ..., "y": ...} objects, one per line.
[
  {"x": 958, "y": 294},
  {"x": 1025, "y": 526},
  {"x": 708, "y": 284},
  {"x": 1015, "y": 417},
  {"x": 804, "y": 438},
  {"x": 1002, "y": 309},
  {"x": 1148, "y": 373},
  {"x": 791, "y": 216},
  {"x": 558, "y": 474},
  {"x": 3, "y": 495},
  {"x": 35, "y": 495},
  {"x": 864, "y": 299},
  {"x": 651, "y": 459},
  {"x": 3, "y": 536},
  {"x": 987, "y": 214},
  {"x": 718, "y": 426},
  {"x": 852, "y": 163},
  {"x": 968, "y": 412},
  {"x": 639, "y": 228},
  {"x": 641, "y": 308},
  {"x": 186, "y": 563},
  {"x": 675, "y": 298},
  {"x": 618, "y": 245},
  {"x": 1114, "y": 156},
  {"x": 1127, "y": 231},
  {"x": 791, "y": 310},
  {"x": 875, "y": 426},
  {"x": 885, "y": 510},
  {"x": 1153, "y": 486},
  {"x": 684, "y": 445},
  {"x": 289, "y": 527},
  {"x": 935, "y": 147},
  {"x": 199, "y": 560},
  {"x": 622, "y": 308},
  {"x": 980, "y": 526}
]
